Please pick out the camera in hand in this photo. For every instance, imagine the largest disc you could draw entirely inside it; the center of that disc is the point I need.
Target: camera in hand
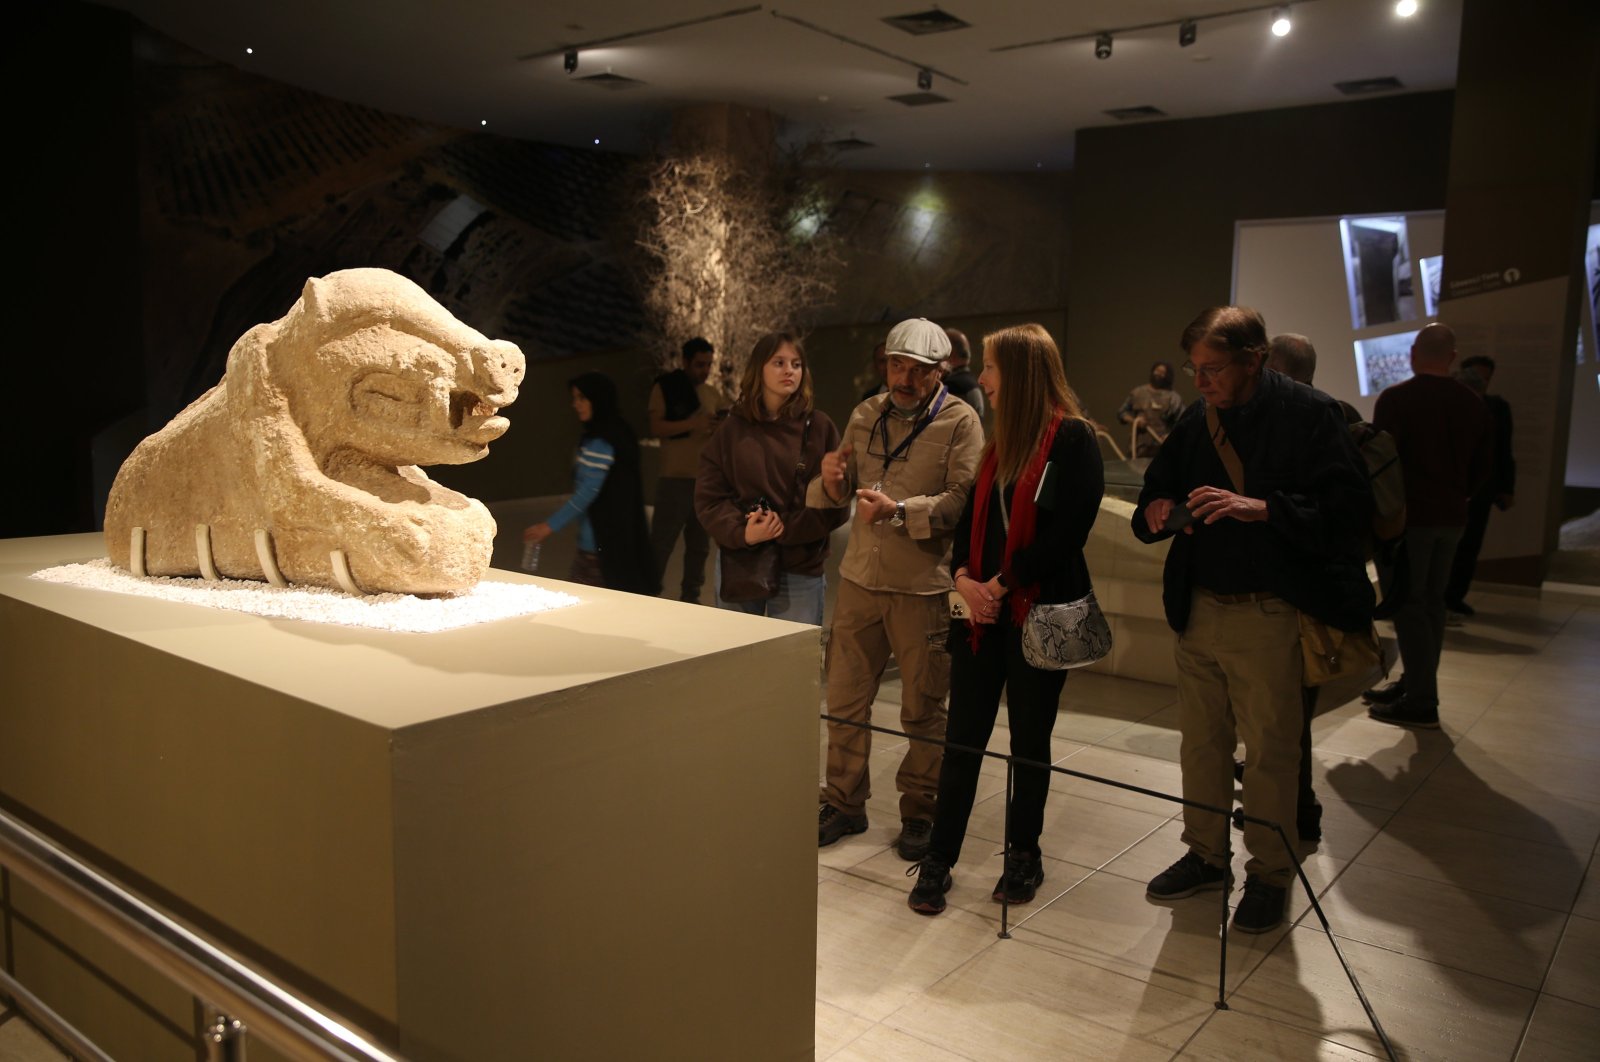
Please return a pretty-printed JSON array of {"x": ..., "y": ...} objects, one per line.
[{"x": 761, "y": 504}]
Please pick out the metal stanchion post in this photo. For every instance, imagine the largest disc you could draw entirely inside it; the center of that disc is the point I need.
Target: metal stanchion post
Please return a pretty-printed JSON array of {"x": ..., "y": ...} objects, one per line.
[
  {"x": 1227, "y": 874},
  {"x": 223, "y": 1037},
  {"x": 1005, "y": 852}
]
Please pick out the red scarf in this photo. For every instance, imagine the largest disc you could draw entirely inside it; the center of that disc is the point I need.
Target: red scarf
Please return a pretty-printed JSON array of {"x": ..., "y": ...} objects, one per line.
[{"x": 1024, "y": 522}]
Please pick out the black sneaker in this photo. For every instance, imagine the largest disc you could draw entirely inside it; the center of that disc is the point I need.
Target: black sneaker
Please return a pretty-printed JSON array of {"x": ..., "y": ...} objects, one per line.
[
  {"x": 1022, "y": 877},
  {"x": 1385, "y": 694},
  {"x": 1308, "y": 820},
  {"x": 1187, "y": 876},
  {"x": 1260, "y": 908},
  {"x": 933, "y": 881},
  {"x": 912, "y": 844},
  {"x": 1461, "y": 607},
  {"x": 833, "y": 824},
  {"x": 1407, "y": 713}
]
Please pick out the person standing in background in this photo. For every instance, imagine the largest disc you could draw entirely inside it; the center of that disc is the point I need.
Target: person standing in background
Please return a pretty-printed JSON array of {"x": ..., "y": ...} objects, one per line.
[
  {"x": 1443, "y": 434},
  {"x": 1154, "y": 408},
  {"x": 684, "y": 410},
  {"x": 880, "y": 367},
  {"x": 958, "y": 372},
  {"x": 607, "y": 496},
  {"x": 1498, "y": 491}
]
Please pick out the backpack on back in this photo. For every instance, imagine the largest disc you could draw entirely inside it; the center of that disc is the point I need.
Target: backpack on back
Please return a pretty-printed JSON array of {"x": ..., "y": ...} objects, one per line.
[{"x": 1387, "y": 478}]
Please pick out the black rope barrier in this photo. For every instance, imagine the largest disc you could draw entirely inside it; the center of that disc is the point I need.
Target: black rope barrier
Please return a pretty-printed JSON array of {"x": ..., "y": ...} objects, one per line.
[{"x": 1229, "y": 813}]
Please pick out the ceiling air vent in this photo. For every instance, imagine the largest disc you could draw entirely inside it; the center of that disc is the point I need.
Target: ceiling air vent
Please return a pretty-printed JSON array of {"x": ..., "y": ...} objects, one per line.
[
  {"x": 849, "y": 143},
  {"x": 920, "y": 99},
  {"x": 611, "y": 81},
  {"x": 922, "y": 23},
  {"x": 1367, "y": 86},
  {"x": 1129, "y": 114}
]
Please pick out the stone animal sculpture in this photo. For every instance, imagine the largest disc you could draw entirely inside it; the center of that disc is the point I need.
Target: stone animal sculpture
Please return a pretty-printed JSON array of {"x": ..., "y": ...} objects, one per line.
[{"x": 301, "y": 465}]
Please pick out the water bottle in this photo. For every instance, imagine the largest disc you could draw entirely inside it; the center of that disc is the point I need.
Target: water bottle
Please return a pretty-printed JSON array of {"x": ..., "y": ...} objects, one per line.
[{"x": 530, "y": 556}]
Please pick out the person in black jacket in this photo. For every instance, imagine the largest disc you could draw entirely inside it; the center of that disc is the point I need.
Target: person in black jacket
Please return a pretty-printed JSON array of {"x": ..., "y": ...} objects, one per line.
[
  {"x": 1498, "y": 491},
  {"x": 1246, "y": 559},
  {"x": 1019, "y": 542},
  {"x": 608, "y": 496}
]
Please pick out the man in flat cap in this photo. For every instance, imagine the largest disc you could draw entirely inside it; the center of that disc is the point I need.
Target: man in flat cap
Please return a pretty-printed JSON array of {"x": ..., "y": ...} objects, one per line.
[{"x": 908, "y": 458}]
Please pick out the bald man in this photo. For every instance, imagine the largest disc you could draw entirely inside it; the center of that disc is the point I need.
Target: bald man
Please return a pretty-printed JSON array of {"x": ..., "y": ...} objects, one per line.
[{"x": 1443, "y": 434}]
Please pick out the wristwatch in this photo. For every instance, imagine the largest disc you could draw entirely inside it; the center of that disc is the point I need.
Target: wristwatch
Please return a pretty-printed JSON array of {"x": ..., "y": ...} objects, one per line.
[{"x": 899, "y": 515}]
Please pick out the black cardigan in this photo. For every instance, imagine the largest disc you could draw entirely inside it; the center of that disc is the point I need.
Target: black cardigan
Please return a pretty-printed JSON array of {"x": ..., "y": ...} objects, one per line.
[
  {"x": 1054, "y": 560},
  {"x": 1319, "y": 502}
]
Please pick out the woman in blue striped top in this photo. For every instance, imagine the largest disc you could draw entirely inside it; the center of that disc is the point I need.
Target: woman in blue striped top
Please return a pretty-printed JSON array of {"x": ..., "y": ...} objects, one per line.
[{"x": 607, "y": 496}]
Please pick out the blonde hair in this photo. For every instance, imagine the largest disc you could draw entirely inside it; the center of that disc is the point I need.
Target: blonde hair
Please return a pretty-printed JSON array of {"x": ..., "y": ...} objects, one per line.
[
  {"x": 1033, "y": 389},
  {"x": 751, "y": 384}
]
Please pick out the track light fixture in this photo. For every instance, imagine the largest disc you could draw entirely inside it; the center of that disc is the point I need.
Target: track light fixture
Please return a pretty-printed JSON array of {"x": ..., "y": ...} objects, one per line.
[
  {"x": 569, "y": 61},
  {"x": 1280, "y": 22},
  {"x": 1187, "y": 32},
  {"x": 924, "y": 79},
  {"x": 1102, "y": 46}
]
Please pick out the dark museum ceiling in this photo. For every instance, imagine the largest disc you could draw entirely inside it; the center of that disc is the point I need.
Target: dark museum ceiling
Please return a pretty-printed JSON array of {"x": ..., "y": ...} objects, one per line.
[{"x": 462, "y": 64}]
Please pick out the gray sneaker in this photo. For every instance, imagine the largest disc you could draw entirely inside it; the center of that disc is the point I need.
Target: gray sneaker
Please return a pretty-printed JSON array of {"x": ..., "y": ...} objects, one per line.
[{"x": 912, "y": 844}]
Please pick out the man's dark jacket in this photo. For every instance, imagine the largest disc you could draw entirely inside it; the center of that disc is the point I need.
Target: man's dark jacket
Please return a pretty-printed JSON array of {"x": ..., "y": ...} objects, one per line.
[{"x": 1319, "y": 502}]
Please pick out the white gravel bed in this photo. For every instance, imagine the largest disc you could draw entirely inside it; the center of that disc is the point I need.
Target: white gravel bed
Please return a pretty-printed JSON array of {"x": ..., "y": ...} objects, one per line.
[{"x": 484, "y": 603}]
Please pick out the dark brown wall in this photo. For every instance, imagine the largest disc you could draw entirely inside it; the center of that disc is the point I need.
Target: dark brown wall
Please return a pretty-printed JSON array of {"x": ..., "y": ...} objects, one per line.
[
  {"x": 72, "y": 237},
  {"x": 1154, "y": 206}
]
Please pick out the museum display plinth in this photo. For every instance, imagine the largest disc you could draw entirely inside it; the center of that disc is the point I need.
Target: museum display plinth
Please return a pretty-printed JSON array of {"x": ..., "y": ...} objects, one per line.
[{"x": 585, "y": 833}]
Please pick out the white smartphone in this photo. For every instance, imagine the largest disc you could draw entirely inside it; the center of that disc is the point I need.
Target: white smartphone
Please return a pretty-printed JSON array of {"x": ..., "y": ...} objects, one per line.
[{"x": 958, "y": 606}]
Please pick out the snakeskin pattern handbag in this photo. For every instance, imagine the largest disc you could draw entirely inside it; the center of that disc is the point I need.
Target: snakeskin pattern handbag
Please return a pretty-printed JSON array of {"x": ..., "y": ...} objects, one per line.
[{"x": 1058, "y": 637}]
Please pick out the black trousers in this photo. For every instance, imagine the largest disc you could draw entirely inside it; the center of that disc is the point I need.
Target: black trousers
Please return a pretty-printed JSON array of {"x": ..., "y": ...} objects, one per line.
[
  {"x": 1032, "y": 697},
  {"x": 1465, "y": 564}
]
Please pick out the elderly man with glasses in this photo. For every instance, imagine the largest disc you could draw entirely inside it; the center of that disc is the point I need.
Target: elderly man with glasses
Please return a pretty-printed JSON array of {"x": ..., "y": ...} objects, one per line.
[{"x": 1265, "y": 498}]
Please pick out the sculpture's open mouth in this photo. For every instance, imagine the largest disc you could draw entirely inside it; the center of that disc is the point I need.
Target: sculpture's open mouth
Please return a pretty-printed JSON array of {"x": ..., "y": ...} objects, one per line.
[{"x": 474, "y": 419}]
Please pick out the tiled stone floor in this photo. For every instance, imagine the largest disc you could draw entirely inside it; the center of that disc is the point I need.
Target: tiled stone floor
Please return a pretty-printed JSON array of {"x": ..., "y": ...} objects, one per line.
[{"x": 1456, "y": 869}]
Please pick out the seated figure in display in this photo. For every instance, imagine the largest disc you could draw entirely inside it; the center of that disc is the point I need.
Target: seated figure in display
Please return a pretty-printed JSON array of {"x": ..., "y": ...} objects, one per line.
[{"x": 300, "y": 466}]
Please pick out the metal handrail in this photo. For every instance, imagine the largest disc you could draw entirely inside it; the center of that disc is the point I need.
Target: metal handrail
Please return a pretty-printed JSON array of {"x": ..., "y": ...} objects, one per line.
[{"x": 250, "y": 1001}]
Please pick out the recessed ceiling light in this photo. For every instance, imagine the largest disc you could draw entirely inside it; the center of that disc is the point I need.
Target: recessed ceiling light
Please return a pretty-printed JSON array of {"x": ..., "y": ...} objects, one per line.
[
  {"x": 484, "y": 121},
  {"x": 1280, "y": 22},
  {"x": 249, "y": 51},
  {"x": 1406, "y": 8},
  {"x": 597, "y": 141}
]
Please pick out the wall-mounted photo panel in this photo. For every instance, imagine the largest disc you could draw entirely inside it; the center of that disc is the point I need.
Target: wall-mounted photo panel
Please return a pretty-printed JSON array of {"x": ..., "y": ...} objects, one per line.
[
  {"x": 1377, "y": 259},
  {"x": 1383, "y": 361},
  {"x": 1432, "y": 280}
]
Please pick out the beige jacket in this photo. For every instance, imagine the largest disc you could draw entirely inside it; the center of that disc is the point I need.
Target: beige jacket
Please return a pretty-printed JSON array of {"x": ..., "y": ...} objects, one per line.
[{"x": 933, "y": 477}]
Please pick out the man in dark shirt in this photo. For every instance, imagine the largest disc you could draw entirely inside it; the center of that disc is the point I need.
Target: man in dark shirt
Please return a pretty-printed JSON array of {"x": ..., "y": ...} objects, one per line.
[
  {"x": 1441, "y": 430},
  {"x": 1250, "y": 557},
  {"x": 958, "y": 372}
]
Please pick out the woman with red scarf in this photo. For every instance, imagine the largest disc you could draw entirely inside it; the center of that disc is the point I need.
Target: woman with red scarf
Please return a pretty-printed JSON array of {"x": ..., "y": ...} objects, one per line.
[{"x": 1019, "y": 543}]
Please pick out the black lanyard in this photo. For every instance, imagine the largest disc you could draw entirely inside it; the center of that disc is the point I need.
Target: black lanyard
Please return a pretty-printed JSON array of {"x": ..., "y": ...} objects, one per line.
[{"x": 905, "y": 444}]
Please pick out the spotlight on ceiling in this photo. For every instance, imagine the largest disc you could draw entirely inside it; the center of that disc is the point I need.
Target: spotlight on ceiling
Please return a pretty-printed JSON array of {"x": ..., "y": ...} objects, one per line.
[
  {"x": 1187, "y": 31},
  {"x": 569, "y": 61},
  {"x": 1280, "y": 22},
  {"x": 1102, "y": 46},
  {"x": 1406, "y": 8},
  {"x": 924, "y": 79}
]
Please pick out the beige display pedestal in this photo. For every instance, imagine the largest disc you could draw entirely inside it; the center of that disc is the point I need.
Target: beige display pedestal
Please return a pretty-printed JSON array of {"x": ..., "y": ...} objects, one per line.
[{"x": 584, "y": 834}]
